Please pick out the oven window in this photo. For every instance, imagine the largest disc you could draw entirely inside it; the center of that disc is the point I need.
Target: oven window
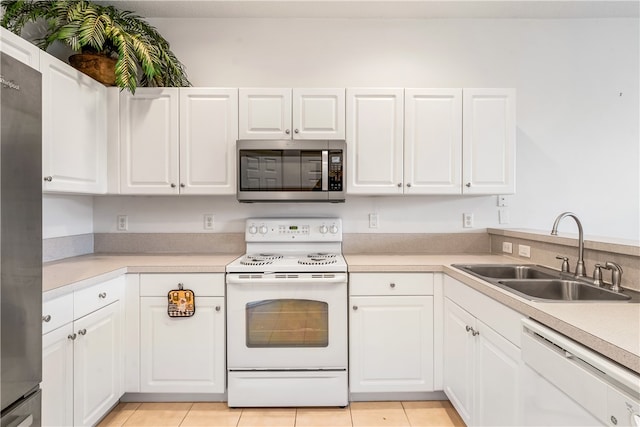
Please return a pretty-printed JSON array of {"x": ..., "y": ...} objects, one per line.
[
  {"x": 280, "y": 170},
  {"x": 287, "y": 323}
]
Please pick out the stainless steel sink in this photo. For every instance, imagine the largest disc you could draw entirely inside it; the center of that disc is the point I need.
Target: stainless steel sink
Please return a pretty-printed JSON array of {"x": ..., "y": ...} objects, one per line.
[
  {"x": 511, "y": 271},
  {"x": 539, "y": 283},
  {"x": 560, "y": 290}
]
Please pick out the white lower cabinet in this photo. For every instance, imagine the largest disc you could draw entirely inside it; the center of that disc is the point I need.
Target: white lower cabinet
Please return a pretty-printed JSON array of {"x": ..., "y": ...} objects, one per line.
[
  {"x": 481, "y": 366},
  {"x": 182, "y": 354},
  {"x": 391, "y": 336},
  {"x": 82, "y": 358}
]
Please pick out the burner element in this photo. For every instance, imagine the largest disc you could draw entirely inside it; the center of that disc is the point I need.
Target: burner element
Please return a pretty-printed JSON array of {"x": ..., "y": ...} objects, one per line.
[
  {"x": 266, "y": 256},
  {"x": 251, "y": 260},
  {"x": 321, "y": 255},
  {"x": 317, "y": 261}
]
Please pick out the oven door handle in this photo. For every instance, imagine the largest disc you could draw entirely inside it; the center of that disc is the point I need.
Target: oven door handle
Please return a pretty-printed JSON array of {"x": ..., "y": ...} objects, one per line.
[
  {"x": 325, "y": 170},
  {"x": 284, "y": 278}
]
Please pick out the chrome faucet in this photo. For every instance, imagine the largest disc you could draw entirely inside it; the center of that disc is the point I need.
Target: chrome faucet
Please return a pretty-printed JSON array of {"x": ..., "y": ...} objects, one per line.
[
  {"x": 616, "y": 275},
  {"x": 580, "y": 269}
]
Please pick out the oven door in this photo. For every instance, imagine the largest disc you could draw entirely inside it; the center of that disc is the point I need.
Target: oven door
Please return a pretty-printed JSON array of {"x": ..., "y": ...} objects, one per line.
[{"x": 287, "y": 321}]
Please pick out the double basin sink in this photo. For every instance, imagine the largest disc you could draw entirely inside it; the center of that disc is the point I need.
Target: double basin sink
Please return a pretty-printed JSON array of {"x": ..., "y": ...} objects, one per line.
[{"x": 538, "y": 283}]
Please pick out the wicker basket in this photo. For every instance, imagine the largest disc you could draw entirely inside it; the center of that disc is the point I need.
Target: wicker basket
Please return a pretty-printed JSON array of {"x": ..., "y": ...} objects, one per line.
[{"x": 99, "y": 67}]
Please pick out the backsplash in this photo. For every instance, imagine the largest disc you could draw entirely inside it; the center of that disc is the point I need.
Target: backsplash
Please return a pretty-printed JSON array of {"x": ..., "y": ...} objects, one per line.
[
  {"x": 56, "y": 248},
  {"x": 545, "y": 248}
]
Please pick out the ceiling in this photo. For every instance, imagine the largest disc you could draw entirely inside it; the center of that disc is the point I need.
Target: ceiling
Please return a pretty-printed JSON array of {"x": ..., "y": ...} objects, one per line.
[{"x": 372, "y": 9}]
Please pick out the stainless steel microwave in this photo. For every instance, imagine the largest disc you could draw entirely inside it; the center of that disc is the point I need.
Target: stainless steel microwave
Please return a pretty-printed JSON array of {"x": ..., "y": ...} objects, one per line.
[{"x": 291, "y": 170}]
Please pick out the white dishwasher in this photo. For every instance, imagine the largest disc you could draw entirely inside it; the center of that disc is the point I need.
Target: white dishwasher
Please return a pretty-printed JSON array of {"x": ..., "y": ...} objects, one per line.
[{"x": 567, "y": 384}]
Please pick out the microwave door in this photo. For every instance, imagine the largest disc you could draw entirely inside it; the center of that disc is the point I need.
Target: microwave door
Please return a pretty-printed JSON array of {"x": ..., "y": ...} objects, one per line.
[
  {"x": 261, "y": 170},
  {"x": 311, "y": 171}
]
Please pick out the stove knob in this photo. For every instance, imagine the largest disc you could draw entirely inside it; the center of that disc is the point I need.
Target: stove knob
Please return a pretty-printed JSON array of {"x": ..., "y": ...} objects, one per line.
[
  {"x": 253, "y": 229},
  {"x": 333, "y": 229},
  {"x": 323, "y": 229},
  {"x": 263, "y": 229}
]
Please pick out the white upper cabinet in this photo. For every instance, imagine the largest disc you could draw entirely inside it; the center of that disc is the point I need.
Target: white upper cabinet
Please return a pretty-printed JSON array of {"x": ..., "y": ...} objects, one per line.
[
  {"x": 433, "y": 141},
  {"x": 178, "y": 141},
  {"x": 149, "y": 141},
  {"x": 74, "y": 121},
  {"x": 283, "y": 113},
  {"x": 19, "y": 48},
  {"x": 489, "y": 132},
  {"x": 208, "y": 134},
  {"x": 375, "y": 119},
  {"x": 318, "y": 114}
]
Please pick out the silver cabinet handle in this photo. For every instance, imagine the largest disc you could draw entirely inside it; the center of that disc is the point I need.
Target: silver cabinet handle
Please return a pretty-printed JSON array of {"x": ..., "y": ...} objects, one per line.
[
  {"x": 287, "y": 131},
  {"x": 82, "y": 332},
  {"x": 173, "y": 185},
  {"x": 102, "y": 295},
  {"x": 48, "y": 178},
  {"x": 296, "y": 131},
  {"x": 393, "y": 285},
  {"x": 46, "y": 318},
  {"x": 72, "y": 337},
  {"x": 468, "y": 184},
  {"x": 218, "y": 308},
  {"x": 355, "y": 307}
]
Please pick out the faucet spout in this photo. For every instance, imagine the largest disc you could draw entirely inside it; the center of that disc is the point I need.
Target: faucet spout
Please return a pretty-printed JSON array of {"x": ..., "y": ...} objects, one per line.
[{"x": 580, "y": 269}]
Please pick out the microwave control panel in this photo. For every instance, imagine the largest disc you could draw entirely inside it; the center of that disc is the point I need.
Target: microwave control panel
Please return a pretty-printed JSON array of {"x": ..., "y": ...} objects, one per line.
[{"x": 335, "y": 170}]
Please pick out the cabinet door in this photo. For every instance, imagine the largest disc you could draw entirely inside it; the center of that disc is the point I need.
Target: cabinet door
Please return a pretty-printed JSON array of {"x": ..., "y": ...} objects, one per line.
[
  {"x": 433, "y": 141},
  {"x": 208, "y": 134},
  {"x": 497, "y": 379},
  {"x": 458, "y": 351},
  {"x": 149, "y": 141},
  {"x": 264, "y": 113},
  {"x": 182, "y": 355},
  {"x": 98, "y": 364},
  {"x": 57, "y": 377},
  {"x": 74, "y": 120},
  {"x": 374, "y": 141},
  {"x": 318, "y": 113},
  {"x": 391, "y": 344},
  {"x": 489, "y": 135},
  {"x": 19, "y": 48}
]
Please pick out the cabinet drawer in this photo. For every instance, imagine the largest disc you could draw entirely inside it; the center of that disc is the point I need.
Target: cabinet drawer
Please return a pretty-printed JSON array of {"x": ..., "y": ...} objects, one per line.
[
  {"x": 88, "y": 300},
  {"x": 391, "y": 284},
  {"x": 202, "y": 284},
  {"x": 57, "y": 312}
]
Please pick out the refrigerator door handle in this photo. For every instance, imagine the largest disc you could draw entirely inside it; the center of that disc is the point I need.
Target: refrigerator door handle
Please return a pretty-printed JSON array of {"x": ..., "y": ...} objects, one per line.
[{"x": 25, "y": 421}]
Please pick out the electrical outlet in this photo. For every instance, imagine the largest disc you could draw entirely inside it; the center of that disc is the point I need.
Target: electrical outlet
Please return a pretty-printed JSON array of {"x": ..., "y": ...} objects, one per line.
[
  {"x": 123, "y": 223},
  {"x": 507, "y": 247},
  {"x": 373, "y": 220},
  {"x": 524, "y": 251},
  {"x": 208, "y": 221},
  {"x": 467, "y": 220}
]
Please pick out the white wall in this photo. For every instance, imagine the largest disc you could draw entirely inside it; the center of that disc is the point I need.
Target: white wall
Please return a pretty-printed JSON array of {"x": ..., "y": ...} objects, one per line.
[
  {"x": 577, "y": 112},
  {"x": 64, "y": 215}
]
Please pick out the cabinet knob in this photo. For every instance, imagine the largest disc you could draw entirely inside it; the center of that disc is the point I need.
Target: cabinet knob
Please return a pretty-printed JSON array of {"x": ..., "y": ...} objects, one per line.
[
  {"x": 48, "y": 178},
  {"x": 468, "y": 184},
  {"x": 218, "y": 308},
  {"x": 408, "y": 184},
  {"x": 102, "y": 295},
  {"x": 46, "y": 318},
  {"x": 82, "y": 332},
  {"x": 399, "y": 184},
  {"x": 287, "y": 131},
  {"x": 474, "y": 332},
  {"x": 71, "y": 337},
  {"x": 296, "y": 131},
  {"x": 182, "y": 185},
  {"x": 173, "y": 185},
  {"x": 355, "y": 307},
  {"x": 393, "y": 285}
]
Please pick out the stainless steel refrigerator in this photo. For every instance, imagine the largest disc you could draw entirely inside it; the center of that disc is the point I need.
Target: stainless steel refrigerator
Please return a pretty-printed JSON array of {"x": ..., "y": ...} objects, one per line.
[{"x": 20, "y": 242}]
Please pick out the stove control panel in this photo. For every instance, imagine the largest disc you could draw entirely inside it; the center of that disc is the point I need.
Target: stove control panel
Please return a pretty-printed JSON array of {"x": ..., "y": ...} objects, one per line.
[{"x": 289, "y": 229}]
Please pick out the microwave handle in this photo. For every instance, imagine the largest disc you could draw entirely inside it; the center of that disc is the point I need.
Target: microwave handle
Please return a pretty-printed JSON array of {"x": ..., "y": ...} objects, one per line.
[{"x": 325, "y": 170}]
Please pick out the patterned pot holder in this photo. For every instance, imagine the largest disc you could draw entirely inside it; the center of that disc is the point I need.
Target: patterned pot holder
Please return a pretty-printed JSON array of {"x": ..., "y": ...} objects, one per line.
[{"x": 182, "y": 302}]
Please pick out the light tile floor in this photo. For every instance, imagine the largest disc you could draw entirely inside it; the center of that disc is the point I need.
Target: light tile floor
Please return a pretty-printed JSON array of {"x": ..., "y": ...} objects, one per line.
[{"x": 358, "y": 414}]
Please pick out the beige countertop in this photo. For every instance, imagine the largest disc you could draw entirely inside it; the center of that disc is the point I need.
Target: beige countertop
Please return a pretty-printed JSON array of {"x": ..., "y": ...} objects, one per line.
[{"x": 612, "y": 329}]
